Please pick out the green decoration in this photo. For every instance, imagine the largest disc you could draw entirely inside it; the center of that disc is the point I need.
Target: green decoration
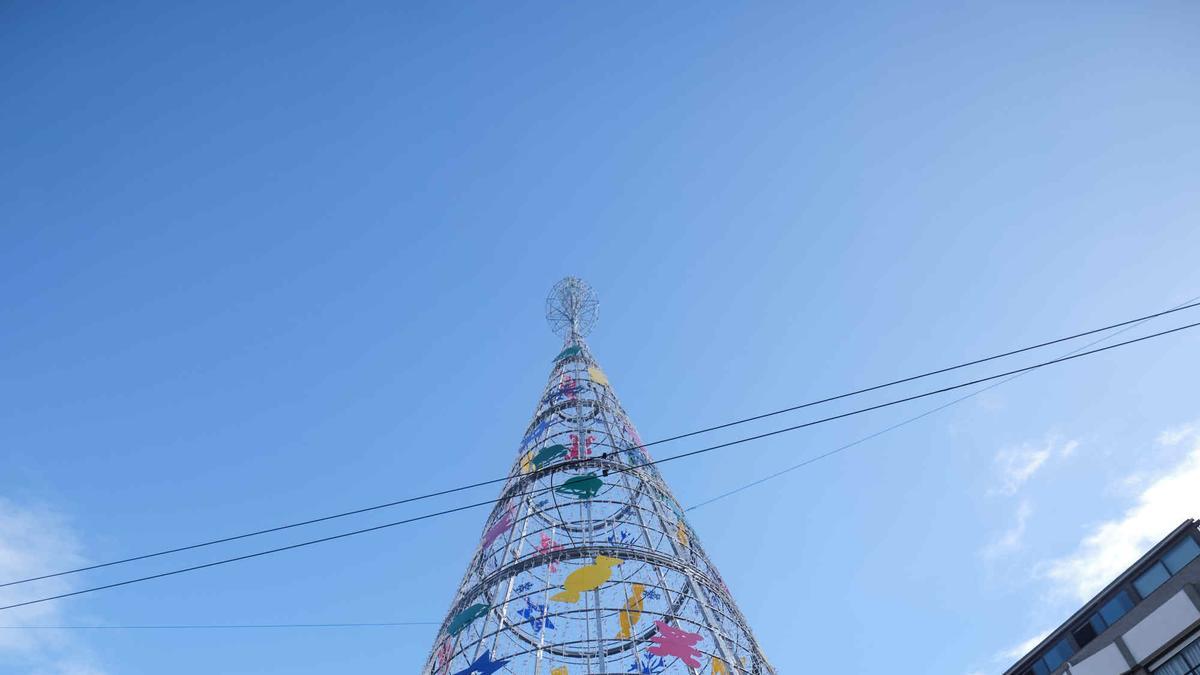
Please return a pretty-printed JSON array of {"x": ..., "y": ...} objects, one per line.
[
  {"x": 549, "y": 454},
  {"x": 465, "y": 617},
  {"x": 568, "y": 352},
  {"x": 586, "y": 486}
]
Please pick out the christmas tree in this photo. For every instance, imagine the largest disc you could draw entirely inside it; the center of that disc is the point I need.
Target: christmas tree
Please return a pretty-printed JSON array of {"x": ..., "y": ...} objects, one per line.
[{"x": 587, "y": 563}]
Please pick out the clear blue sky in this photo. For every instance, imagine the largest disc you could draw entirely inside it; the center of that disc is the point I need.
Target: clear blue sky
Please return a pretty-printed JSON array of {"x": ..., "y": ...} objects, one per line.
[{"x": 259, "y": 264}]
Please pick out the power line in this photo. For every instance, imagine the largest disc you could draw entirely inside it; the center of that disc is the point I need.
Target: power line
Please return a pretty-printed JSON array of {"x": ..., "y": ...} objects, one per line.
[
  {"x": 924, "y": 375},
  {"x": 664, "y": 460},
  {"x": 910, "y": 420},
  {"x": 439, "y": 493}
]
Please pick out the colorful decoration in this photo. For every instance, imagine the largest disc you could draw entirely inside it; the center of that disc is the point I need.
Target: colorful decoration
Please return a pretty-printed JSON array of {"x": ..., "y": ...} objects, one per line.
[
  {"x": 637, "y": 439},
  {"x": 597, "y": 375},
  {"x": 573, "y": 453},
  {"x": 503, "y": 525},
  {"x": 719, "y": 667},
  {"x": 714, "y": 599},
  {"x": 548, "y": 545},
  {"x": 567, "y": 388},
  {"x": 465, "y": 617},
  {"x": 533, "y": 435},
  {"x": 527, "y": 462},
  {"x": 681, "y": 533},
  {"x": 651, "y": 594},
  {"x": 484, "y": 665},
  {"x": 549, "y": 454},
  {"x": 586, "y": 579},
  {"x": 648, "y": 666},
  {"x": 612, "y": 538},
  {"x": 568, "y": 352},
  {"x": 636, "y": 456},
  {"x": 561, "y": 670},
  {"x": 669, "y": 502},
  {"x": 671, "y": 641},
  {"x": 632, "y": 613},
  {"x": 586, "y": 486},
  {"x": 536, "y": 615},
  {"x": 444, "y": 655}
]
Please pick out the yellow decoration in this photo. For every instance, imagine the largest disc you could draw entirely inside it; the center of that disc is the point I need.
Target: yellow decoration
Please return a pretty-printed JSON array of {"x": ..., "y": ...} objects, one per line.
[
  {"x": 527, "y": 462},
  {"x": 632, "y": 612},
  {"x": 586, "y": 579},
  {"x": 718, "y": 667},
  {"x": 598, "y": 375},
  {"x": 681, "y": 533},
  {"x": 561, "y": 670}
]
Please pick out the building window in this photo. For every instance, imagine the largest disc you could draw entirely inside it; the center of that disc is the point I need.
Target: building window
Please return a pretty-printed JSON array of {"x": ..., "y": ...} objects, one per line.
[
  {"x": 1102, "y": 618},
  {"x": 1171, "y": 562},
  {"x": 1115, "y": 608},
  {"x": 1186, "y": 662},
  {"x": 1052, "y": 659},
  {"x": 1086, "y": 633},
  {"x": 1181, "y": 555},
  {"x": 1152, "y": 579}
]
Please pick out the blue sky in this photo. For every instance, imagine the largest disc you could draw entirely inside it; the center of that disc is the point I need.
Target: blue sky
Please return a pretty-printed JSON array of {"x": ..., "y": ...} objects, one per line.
[{"x": 265, "y": 263}]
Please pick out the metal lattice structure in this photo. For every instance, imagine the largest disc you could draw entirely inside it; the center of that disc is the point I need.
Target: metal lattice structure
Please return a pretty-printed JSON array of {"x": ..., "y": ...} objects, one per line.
[{"x": 587, "y": 564}]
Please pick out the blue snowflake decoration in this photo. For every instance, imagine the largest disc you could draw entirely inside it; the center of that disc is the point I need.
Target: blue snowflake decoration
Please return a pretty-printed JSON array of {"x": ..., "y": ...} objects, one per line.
[
  {"x": 714, "y": 599},
  {"x": 651, "y": 594},
  {"x": 612, "y": 538},
  {"x": 636, "y": 456},
  {"x": 648, "y": 666},
  {"x": 535, "y": 613},
  {"x": 525, "y": 587}
]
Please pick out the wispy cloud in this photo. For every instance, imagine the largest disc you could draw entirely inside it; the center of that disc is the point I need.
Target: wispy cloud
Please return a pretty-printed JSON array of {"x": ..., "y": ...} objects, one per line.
[
  {"x": 1015, "y": 465},
  {"x": 34, "y": 540},
  {"x": 1005, "y": 657},
  {"x": 1113, "y": 545},
  {"x": 1172, "y": 437},
  {"x": 1018, "y": 650},
  {"x": 1011, "y": 539}
]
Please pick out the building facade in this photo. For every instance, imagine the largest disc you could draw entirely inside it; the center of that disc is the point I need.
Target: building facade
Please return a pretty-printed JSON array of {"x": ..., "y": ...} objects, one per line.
[{"x": 1147, "y": 621}]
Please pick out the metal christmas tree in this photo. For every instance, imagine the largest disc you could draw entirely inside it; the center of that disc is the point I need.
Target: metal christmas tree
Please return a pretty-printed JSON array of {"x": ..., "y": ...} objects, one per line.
[{"x": 587, "y": 564}]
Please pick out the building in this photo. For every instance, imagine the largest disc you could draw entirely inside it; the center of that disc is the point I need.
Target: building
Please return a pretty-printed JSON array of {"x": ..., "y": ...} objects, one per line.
[{"x": 1145, "y": 621}]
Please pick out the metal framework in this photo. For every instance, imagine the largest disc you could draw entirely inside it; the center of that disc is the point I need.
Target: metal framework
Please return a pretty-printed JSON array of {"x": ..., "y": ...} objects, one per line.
[{"x": 587, "y": 564}]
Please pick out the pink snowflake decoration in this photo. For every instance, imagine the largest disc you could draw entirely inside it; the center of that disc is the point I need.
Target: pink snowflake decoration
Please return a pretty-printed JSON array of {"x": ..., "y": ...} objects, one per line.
[{"x": 671, "y": 641}]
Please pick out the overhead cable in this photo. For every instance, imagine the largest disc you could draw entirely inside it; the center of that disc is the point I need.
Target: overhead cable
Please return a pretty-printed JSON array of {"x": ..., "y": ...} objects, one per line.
[
  {"x": 470, "y": 486},
  {"x": 664, "y": 460},
  {"x": 910, "y": 420}
]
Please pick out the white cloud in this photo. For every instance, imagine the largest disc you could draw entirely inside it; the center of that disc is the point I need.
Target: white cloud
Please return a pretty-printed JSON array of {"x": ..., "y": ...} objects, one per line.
[
  {"x": 33, "y": 541},
  {"x": 1011, "y": 539},
  {"x": 1017, "y": 464},
  {"x": 1002, "y": 659},
  {"x": 1017, "y": 651},
  {"x": 1172, "y": 437},
  {"x": 1113, "y": 545}
]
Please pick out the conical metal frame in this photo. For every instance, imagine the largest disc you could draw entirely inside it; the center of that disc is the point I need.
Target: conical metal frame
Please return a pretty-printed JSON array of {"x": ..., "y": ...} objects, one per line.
[{"x": 541, "y": 595}]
